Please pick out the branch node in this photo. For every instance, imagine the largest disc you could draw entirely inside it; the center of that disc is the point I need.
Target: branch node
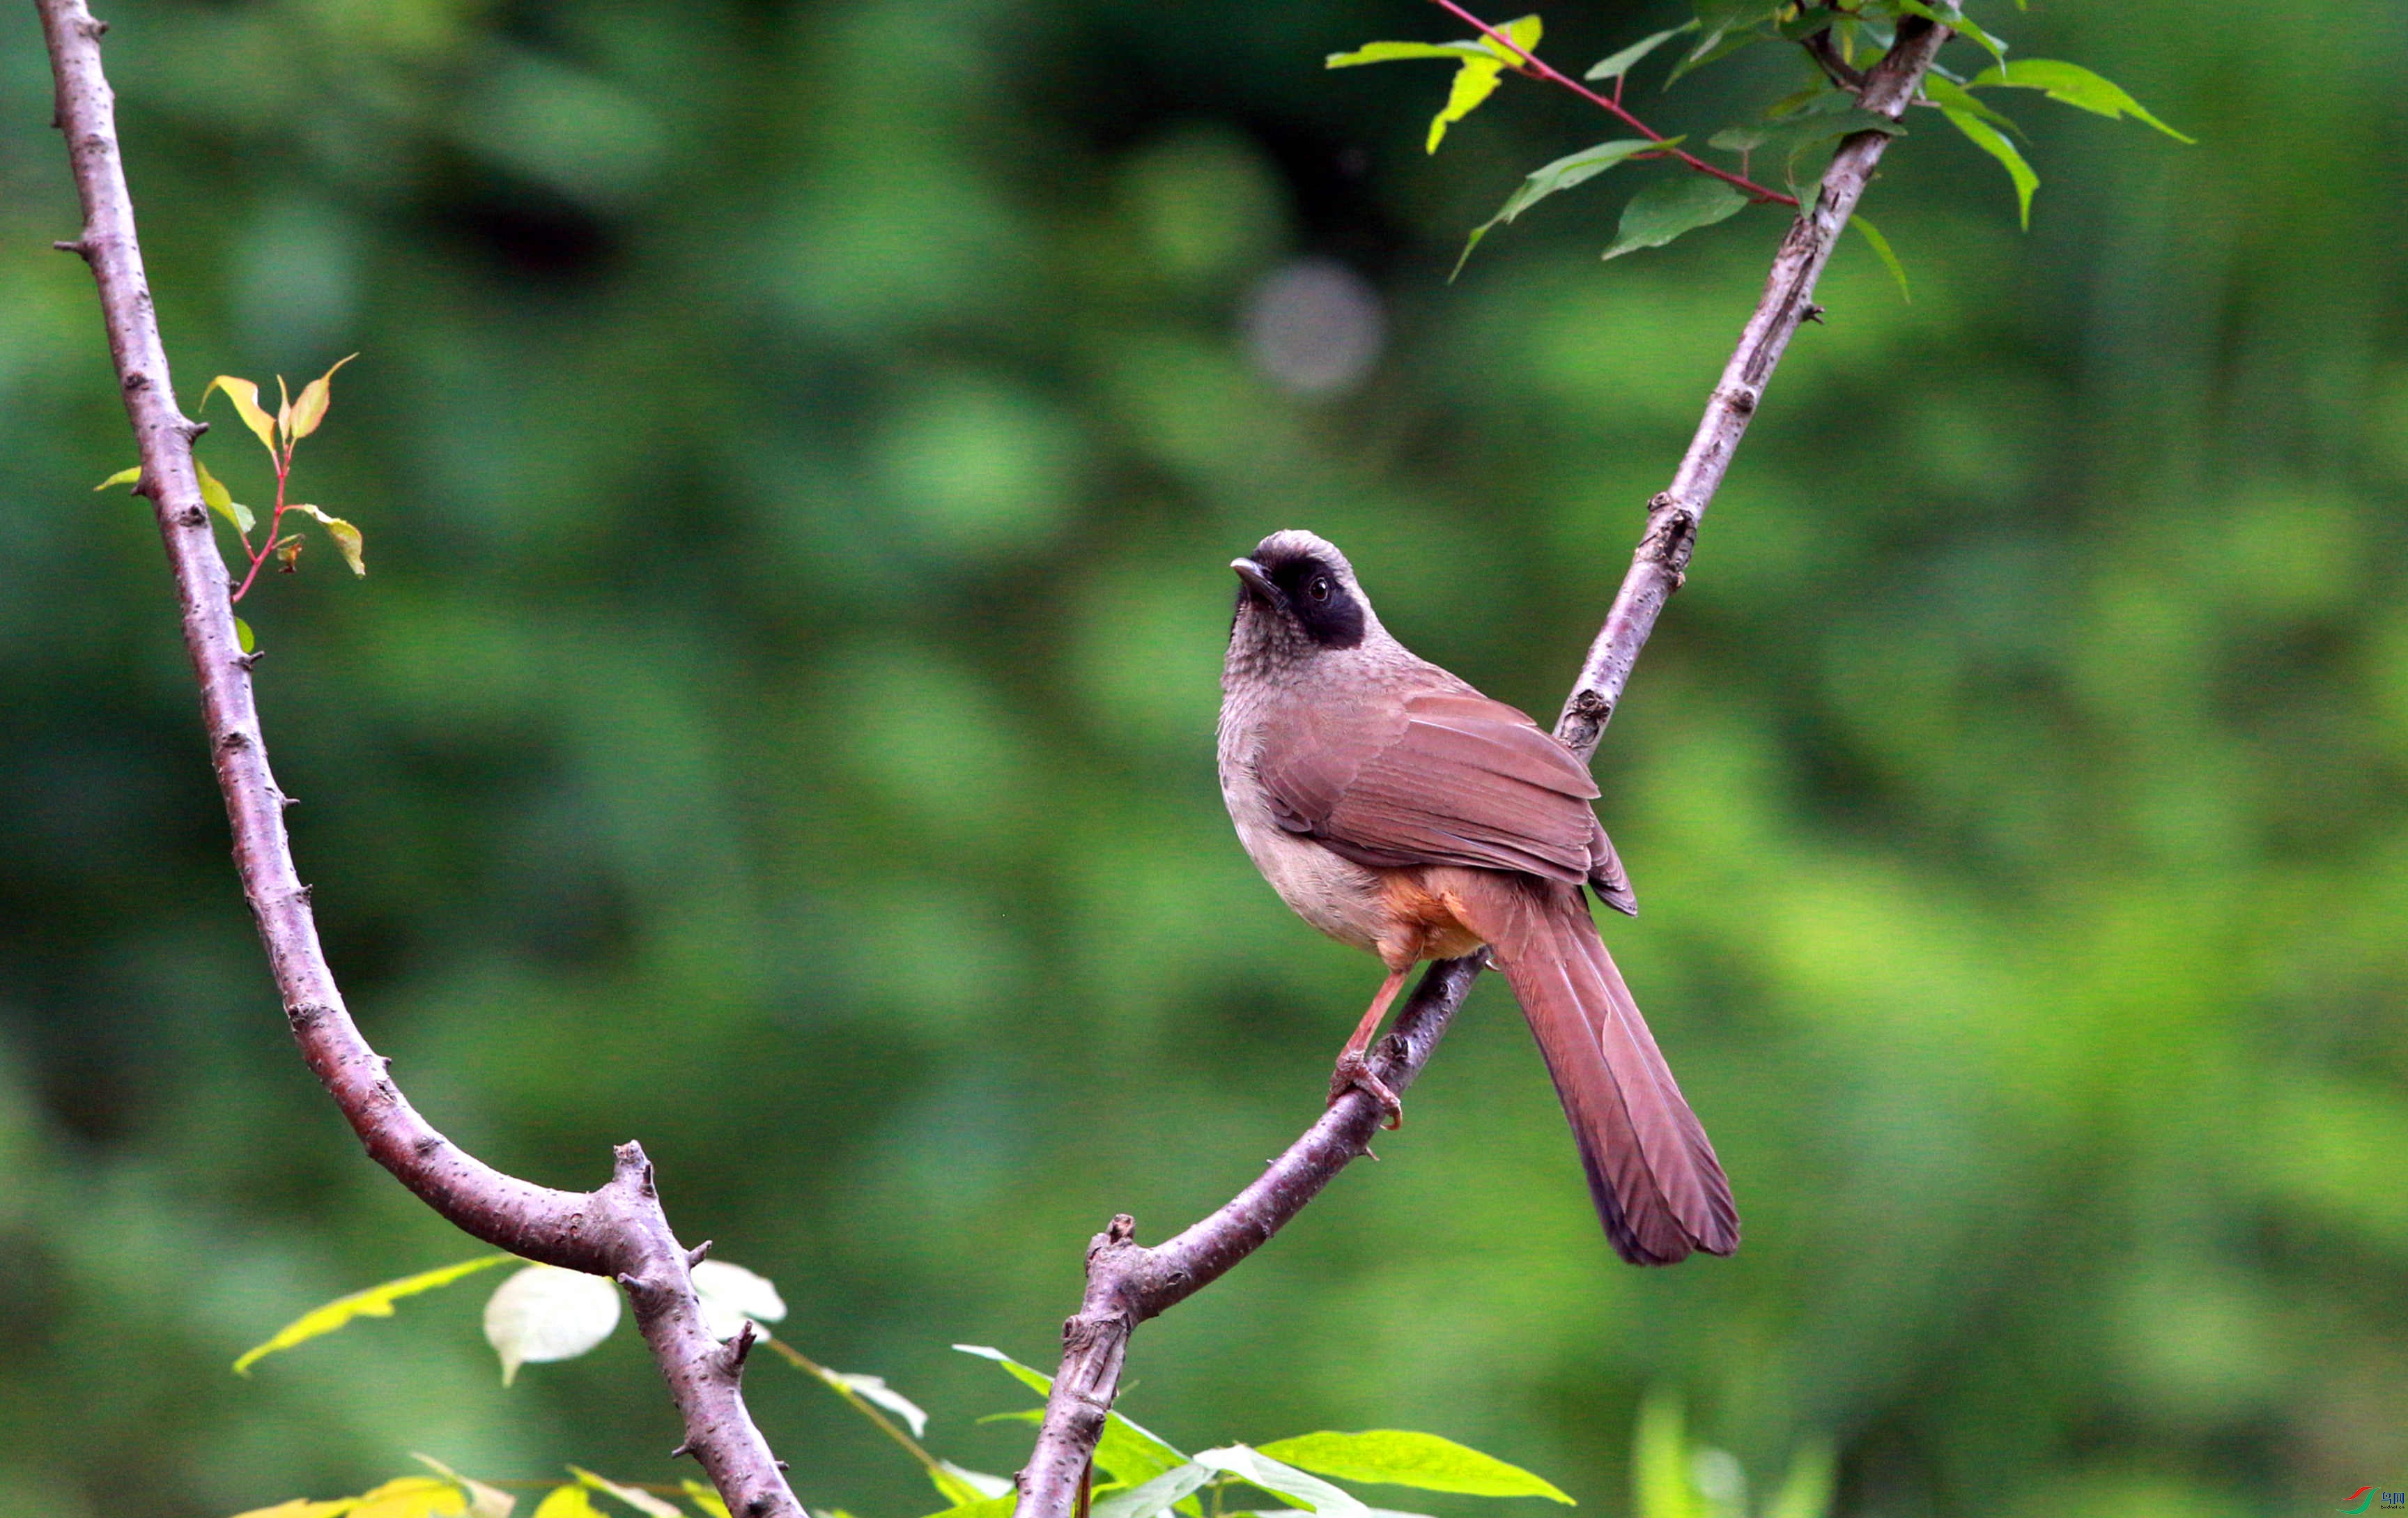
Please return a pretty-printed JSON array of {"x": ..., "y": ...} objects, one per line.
[
  {"x": 1812, "y": 313},
  {"x": 695, "y": 1255},
  {"x": 94, "y": 27},
  {"x": 194, "y": 431},
  {"x": 191, "y": 516},
  {"x": 137, "y": 381},
  {"x": 740, "y": 1346},
  {"x": 237, "y": 739},
  {"x": 76, "y": 246},
  {"x": 244, "y": 661},
  {"x": 684, "y": 1446}
]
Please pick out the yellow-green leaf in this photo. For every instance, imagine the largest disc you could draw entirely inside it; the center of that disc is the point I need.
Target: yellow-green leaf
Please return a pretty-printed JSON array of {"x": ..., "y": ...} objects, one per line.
[
  {"x": 301, "y": 1507},
  {"x": 284, "y": 411},
  {"x": 483, "y": 1501},
  {"x": 988, "y": 1507},
  {"x": 242, "y": 635},
  {"x": 709, "y": 1502},
  {"x": 568, "y": 1502},
  {"x": 1480, "y": 63},
  {"x": 245, "y": 397},
  {"x": 413, "y": 1497},
  {"x": 640, "y": 1500},
  {"x": 316, "y": 395},
  {"x": 221, "y": 499},
  {"x": 126, "y": 477},
  {"x": 345, "y": 536},
  {"x": 1400, "y": 1457},
  {"x": 2074, "y": 85},
  {"x": 375, "y": 1302}
]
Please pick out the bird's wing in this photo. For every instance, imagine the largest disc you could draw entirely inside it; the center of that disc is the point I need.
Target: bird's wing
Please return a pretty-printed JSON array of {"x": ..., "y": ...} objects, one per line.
[{"x": 1439, "y": 777}]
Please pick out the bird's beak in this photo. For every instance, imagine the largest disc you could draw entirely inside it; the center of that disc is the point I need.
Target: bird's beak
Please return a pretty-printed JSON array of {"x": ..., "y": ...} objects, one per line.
[{"x": 1257, "y": 582}]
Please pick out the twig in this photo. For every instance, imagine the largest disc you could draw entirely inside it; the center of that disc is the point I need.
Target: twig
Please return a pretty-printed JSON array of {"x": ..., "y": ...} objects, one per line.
[
  {"x": 1128, "y": 1282},
  {"x": 618, "y": 1230},
  {"x": 1533, "y": 65}
]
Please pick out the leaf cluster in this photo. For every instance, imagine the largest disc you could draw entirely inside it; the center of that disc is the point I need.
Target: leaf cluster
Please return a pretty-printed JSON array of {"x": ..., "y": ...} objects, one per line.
[{"x": 1782, "y": 148}]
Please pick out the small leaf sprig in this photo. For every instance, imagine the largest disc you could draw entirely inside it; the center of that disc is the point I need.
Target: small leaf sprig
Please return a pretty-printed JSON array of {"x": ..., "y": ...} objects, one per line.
[
  {"x": 1830, "y": 33},
  {"x": 295, "y": 418}
]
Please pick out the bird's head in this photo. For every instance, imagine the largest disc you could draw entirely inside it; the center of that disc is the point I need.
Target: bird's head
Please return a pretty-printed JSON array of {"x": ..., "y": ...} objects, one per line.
[{"x": 1296, "y": 598}]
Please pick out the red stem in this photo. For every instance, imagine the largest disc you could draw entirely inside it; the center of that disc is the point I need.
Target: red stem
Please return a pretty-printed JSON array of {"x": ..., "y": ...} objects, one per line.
[
  {"x": 275, "y": 525},
  {"x": 1532, "y": 66}
]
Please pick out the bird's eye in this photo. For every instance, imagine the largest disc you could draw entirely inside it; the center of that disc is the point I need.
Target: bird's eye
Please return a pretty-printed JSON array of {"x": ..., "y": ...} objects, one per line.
[{"x": 1319, "y": 589}]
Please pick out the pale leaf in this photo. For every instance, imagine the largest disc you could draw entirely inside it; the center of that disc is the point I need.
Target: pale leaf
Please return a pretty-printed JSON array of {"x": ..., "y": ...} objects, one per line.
[
  {"x": 245, "y": 397},
  {"x": 545, "y": 1313}
]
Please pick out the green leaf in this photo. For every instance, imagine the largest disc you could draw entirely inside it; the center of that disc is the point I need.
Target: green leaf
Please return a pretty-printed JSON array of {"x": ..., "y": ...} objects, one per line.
[
  {"x": 1836, "y": 116},
  {"x": 1256, "y": 1468},
  {"x": 221, "y": 499},
  {"x": 375, "y": 1302},
  {"x": 1155, "y": 1496},
  {"x": 1950, "y": 95},
  {"x": 128, "y": 477},
  {"x": 1614, "y": 66},
  {"x": 316, "y": 395},
  {"x": 1564, "y": 173},
  {"x": 347, "y": 538},
  {"x": 1728, "y": 26},
  {"x": 642, "y": 1501},
  {"x": 242, "y": 635},
  {"x": 1807, "y": 1491},
  {"x": 1669, "y": 207},
  {"x": 546, "y": 1314},
  {"x": 568, "y": 1502},
  {"x": 245, "y": 397},
  {"x": 1400, "y": 1457},
  {"x": 1127, "y": 1452},
  {"x": 1889, "y": 259},
  {"x": 1987, "y": 138},
  {"x": 1660, "y": 1486},
  {"x": 1956, "y": 21},
  {"x": 2074, "y": 85},
  {"x": 301, "y": 1507},
  {"x": 706, "y": 1501}
]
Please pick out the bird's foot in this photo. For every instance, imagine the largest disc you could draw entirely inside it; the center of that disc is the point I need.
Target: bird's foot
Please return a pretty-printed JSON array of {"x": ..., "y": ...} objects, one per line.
[{"x": 1353, "y": 1073}]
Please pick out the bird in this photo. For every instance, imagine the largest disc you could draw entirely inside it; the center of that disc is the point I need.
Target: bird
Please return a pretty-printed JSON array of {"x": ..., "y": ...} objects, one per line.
[{"x": 1399, "y": 810}]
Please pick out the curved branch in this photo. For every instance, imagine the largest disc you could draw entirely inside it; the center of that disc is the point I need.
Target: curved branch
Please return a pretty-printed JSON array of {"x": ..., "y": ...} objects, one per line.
[
  {"x": 1128, "y": 1282},
  {"x": 618, "y": 1230}
]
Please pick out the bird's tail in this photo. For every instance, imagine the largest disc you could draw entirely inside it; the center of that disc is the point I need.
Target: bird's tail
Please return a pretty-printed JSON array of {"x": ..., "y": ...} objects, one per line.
[{"x": 1651, "y": 1170}]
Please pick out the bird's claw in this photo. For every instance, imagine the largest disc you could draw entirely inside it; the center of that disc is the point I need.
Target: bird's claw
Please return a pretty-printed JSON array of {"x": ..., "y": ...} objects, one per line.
[{"x": 1353, "y": 1073}]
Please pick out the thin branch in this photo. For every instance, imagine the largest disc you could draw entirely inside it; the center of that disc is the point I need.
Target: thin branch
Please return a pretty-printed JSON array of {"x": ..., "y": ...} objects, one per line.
[
  {"x": 618, "y": 1230},
  {"x": 1537, "y": 68},
  {"x": 1128, "y": 1282}
]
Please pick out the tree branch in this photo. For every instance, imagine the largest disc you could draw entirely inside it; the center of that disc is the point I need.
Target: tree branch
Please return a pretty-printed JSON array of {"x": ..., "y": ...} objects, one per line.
[
  {"x": 1128, "y": 1282},
  {"x": 618, "y": 1230}
]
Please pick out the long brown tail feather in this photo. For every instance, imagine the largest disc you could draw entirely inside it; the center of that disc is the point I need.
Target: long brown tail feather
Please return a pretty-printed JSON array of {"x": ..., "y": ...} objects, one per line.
[{"x": 1652, "y": 1172}]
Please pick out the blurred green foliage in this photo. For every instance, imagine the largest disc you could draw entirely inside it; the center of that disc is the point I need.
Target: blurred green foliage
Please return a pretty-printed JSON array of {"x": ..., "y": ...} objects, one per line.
[{"x": 801, "y": 445}]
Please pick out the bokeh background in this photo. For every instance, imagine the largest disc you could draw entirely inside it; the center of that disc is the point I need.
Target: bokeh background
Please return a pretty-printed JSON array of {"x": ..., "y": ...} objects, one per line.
[{"x": 798, "y": 447}]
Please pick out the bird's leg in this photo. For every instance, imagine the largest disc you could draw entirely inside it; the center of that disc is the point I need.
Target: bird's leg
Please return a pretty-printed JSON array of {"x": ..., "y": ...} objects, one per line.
[{"x": 1353, "y": 1072}]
